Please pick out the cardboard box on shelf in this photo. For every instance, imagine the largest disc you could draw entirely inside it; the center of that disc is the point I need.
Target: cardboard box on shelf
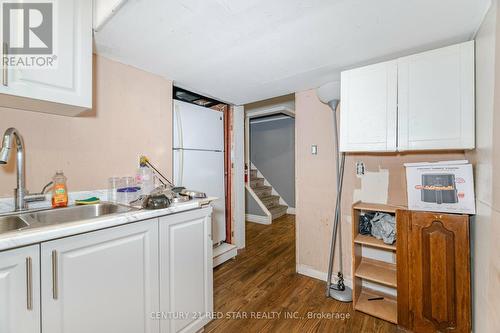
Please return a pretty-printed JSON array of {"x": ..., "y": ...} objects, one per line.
[{"x": 446, "y": 186}]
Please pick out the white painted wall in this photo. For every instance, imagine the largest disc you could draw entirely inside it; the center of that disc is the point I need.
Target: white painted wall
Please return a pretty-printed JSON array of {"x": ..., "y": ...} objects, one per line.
[{"x": 482, "y": 158}]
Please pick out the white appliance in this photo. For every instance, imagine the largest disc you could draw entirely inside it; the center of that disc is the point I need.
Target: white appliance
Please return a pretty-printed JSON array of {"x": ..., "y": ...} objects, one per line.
[{"x": 199, "y": 157}]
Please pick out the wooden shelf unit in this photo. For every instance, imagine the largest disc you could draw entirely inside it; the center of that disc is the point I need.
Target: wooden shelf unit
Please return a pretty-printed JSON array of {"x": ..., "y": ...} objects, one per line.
[
  {"x": 386, "y": 309},
  {"x": 373, "y": 242},
  {"x": 377, "y": 271},
  {"x": 366, "y": 269}
]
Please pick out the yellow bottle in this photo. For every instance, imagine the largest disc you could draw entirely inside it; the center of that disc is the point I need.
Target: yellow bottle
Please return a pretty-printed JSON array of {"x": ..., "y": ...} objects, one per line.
[{"x": 59, "y": 190}]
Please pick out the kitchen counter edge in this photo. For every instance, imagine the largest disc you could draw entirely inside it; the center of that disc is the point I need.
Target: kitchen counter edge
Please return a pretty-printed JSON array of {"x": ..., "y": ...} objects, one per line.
[{"x": 22, "y": 238}]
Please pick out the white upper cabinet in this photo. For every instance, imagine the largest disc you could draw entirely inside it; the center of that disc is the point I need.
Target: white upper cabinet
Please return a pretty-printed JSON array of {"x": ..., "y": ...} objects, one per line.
[
  {"x": 436, "y": 99},
  {"x": 65, "y": 87},
  {"x": 421, "y": 102},
  {"x": 368, "y": 108}
]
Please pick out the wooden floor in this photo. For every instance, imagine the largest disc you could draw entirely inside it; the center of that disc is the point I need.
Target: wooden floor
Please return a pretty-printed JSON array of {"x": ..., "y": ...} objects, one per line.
[{"x": 256, "y": 291}]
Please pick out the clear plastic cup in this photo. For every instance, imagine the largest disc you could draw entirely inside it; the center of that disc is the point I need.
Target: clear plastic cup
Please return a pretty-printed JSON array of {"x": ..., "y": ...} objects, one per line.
[
  {"x": 114, "y": 183},
  {"x": 128, "y": 181},
  {"x": 126, "y": 195},
  {"x": 127, "y": 191}
]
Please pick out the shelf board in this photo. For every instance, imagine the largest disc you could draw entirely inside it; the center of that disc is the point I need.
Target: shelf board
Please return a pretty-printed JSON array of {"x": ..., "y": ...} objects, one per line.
[
  {"x": 385, "y": 309},
  {"x": 376, "y": 207},
  {"x": 377, "y": 271},
  {"x": 373, "y": 242}
]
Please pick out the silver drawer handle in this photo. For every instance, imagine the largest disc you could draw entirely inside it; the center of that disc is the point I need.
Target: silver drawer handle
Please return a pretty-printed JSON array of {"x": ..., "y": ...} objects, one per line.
[
  {"x": 29, "y": 283},
  {"x": 55, "y": 292}
]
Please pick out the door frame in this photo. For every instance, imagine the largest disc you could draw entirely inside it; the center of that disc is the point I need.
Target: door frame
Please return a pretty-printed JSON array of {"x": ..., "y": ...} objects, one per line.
[{"x": 238, "y": 176}]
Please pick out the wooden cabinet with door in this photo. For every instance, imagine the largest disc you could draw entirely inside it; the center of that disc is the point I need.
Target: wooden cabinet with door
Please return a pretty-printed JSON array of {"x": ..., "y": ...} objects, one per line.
[{"x": 433, "y": 269}]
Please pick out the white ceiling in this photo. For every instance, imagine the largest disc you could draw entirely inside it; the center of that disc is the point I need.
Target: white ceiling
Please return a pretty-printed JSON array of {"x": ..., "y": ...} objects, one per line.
[{"x": 242, "y": 51}]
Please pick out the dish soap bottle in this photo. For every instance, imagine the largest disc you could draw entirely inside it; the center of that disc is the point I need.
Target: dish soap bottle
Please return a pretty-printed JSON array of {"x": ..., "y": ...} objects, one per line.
[{"x": 59, "y": 190}]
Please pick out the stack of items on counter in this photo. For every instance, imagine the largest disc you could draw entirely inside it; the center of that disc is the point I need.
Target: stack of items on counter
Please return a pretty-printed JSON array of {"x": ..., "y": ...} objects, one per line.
[
  {"x": 149, "y": 189},
  {"x": 128, "y": 189}
]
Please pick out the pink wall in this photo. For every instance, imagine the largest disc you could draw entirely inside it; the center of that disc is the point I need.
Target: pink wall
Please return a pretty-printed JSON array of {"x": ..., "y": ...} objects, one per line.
[
  {"x": 132, "y": 115},
  {"x": 315, "y": 183}
]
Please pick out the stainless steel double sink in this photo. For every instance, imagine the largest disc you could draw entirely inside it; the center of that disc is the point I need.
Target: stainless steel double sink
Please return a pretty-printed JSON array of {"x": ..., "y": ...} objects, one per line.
[{"x": 35, "y": 219}]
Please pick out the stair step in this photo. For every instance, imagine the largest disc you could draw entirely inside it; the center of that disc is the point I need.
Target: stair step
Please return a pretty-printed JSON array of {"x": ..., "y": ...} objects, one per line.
[
  {"x": 262, "y": 191},
  {"x": 278, "y": 211},
  {"x": 270, "y": 200},
  {"x": 253, "y": 173},
  {"x": 256, "y": 182}
]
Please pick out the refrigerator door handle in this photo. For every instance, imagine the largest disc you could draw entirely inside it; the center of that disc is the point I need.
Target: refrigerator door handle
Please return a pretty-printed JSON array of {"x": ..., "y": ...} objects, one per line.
[
  {"x": 181, "y": 167},
  {"x": 178, "y": 123}
]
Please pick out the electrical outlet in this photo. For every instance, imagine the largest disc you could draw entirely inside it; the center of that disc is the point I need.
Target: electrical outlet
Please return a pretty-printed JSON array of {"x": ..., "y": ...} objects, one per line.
[
  {"x": 314, "y": 150},
  {"x": 360, "y": 168}
]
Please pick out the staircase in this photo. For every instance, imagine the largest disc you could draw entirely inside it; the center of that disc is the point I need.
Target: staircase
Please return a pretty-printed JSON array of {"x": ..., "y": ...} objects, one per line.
[{"x": 264, "y": 192}]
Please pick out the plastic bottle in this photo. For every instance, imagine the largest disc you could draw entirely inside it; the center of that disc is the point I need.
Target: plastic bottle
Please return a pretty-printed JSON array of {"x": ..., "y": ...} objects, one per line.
[
  {"x": 145, "y": 180},
  {"x": 59, "y": 190}
]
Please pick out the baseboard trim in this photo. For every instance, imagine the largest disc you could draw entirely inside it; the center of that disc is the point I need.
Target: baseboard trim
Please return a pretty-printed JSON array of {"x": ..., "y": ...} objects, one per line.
[
  {"x": 291, "y": 210},
  {"x": 311, "y": 272},
  {"x": 223, "y": 253},
  {"x": 258, "y": 219}
]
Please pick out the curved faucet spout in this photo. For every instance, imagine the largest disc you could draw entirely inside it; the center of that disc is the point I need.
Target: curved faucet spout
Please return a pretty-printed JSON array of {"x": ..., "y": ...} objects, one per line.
[{"x": 9, "y": 136}]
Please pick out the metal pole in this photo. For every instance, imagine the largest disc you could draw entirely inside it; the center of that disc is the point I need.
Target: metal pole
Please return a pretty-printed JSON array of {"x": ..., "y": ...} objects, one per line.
[{"x": 341, "y": 292}]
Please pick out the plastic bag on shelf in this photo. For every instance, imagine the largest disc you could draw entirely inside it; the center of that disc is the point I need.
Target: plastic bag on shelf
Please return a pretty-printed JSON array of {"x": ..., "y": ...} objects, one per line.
[
  {"x": 365, "y": 226},
  {"x": 384, "y": 227}
]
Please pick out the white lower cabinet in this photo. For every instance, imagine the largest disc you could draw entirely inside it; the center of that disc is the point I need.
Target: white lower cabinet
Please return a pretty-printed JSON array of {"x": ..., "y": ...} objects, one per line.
[
  {"x": 186, "y": 282},
  {"x": 144, "y": 277},
  {"x": 102, "y": 282},
  {"x": 20, "y": 290}
]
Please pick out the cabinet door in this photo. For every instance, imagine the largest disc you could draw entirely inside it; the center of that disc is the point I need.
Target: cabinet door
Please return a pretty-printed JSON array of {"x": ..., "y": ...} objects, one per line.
[
  {"x": 20, "y": 290},
  {"x": 186, "y": 287},
  {"x": 69, "y": 81},
  {"x": 101, "y": 282},
  {"x": 439, "y": 271},
  {"x": 368, "y": 112},
  {"x": 436, "y": 99}
]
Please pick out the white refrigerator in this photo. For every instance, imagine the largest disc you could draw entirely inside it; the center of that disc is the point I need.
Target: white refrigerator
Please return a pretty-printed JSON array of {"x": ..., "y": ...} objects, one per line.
[{"x": 199, "y": 157}]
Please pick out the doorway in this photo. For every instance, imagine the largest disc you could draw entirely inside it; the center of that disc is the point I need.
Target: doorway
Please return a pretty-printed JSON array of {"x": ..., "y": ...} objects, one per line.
[{"x": 270, "y": 159}]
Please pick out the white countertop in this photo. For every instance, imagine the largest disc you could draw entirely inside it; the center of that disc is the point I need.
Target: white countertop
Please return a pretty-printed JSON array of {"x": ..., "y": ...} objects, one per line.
[{"x": 20, "y": 238}]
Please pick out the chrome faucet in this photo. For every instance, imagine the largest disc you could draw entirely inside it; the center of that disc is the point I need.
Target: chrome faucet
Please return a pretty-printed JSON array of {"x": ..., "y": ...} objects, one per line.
[{"x": 20, "y": 193}]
